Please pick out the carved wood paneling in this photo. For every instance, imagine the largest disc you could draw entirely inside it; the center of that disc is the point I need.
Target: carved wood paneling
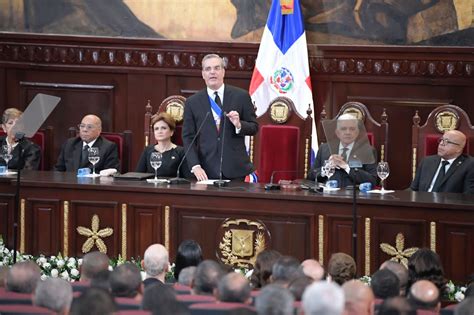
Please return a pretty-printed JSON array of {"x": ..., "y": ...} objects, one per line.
[
  {"x": 43, "y": 226},
  {"x": 144, "y": 228},
  {"x": 6, "y": 224}
]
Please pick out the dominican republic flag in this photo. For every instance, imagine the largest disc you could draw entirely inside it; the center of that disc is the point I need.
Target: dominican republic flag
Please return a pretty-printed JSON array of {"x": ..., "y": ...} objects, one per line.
[{"x": 282, "y": 67}]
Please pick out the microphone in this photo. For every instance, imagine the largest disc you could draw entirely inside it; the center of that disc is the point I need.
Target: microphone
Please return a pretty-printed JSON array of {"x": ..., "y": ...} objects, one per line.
[
  {"x": 19, "y": 136},
  {"x": 178, "y": 180},
  {"x": 222, "y": 183},
  {"x": 271, "y": 185}
]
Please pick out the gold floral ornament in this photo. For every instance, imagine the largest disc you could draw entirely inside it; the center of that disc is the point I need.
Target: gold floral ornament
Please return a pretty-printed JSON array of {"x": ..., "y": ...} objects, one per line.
[
  {"x": 399, "y": 253},
  {"x": 94, "y": 235}
]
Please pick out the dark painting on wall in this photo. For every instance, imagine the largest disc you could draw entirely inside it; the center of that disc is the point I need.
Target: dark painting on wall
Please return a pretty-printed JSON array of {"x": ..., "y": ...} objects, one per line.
[{"x": 371, "y": 22}]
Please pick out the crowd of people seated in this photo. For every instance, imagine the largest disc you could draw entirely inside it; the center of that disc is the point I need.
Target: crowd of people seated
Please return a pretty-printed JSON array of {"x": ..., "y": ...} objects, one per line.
[{"x": 278, "y": 285}]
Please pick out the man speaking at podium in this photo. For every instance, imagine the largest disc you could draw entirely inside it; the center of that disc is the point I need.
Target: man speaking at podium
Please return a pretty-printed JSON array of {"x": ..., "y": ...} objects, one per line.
[
  {"x": 348, "y": 144},
  {"x": 217, "y": 117}
]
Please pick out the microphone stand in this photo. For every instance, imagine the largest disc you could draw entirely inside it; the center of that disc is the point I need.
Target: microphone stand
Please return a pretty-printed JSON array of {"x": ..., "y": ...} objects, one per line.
[
  {"x": 222, "y": 183},
  {"x": 355, "y": 165},
  {"x": 19, "y": 136}
]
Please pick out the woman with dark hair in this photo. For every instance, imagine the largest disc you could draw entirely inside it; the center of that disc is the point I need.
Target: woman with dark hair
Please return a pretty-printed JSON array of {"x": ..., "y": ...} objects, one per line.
[
  {"x": 189, "y": 254},
  {"x": 425, "y": 264},
  {"x": 263, "y": 268}
]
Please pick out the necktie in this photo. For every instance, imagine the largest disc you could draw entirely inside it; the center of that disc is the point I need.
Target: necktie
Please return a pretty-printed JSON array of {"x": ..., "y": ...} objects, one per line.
[
  {"x": 217, "y": 99},
  {"x": 344, "y": 153},
  {"x": 439, "y": 179},
  {"x": 84, "y": 156}
]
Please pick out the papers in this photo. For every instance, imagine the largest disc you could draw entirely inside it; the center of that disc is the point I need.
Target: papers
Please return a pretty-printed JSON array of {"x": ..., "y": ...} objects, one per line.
[
  {"x": 378, "y": 191},
  {"x": 329, "y": 189},
  {"x": 211, "y": 181},
  {"x": 157, "y": 181}
]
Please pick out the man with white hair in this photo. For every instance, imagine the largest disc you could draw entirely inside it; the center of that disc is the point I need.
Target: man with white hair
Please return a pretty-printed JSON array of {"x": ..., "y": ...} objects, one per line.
[
  {"x": 323, "y": 298},
  {"x": 155, "y": 263},
  {"x": 347, "y": 145},
  {"x": 54, "y": 294}
]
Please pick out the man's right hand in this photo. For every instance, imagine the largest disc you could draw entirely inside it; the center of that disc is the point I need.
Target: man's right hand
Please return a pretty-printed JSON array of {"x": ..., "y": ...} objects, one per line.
[{"x": 200, "y": 173}]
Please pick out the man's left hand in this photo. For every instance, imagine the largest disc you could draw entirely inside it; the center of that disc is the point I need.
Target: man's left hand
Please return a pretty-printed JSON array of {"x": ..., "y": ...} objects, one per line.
[{"x": 234, "y": 119}]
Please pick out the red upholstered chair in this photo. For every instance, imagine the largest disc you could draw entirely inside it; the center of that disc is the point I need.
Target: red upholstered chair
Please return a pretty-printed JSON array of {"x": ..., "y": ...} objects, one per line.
[
  {"x": 7, "y": 297},
  {"x": 173, "y": 105},
  {"x": 441, "y": 119},
  {"x": 181, "y": 289},
  {"x": 189, "y": 299},
  {"x": 283, "y": 143},
  {"x": 132, "y": 312},
  {"x": 23, "y": 310},
  {"x": 124, "y": 303},
  {"x": 218, "y": 308},
  {"x": 123, "y": 140},
  {"x": 45, "y": 140},
  {"x": 377, "y": 132}
]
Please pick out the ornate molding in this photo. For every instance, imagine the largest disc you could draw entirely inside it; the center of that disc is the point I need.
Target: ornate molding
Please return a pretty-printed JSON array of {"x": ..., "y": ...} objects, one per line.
[
  {"x": 367, "y": 246},
  {"x": 124, "y": 231},
  {"x": 66, "y": 228},
  {"x": 167, "y": 227},
  {"x": 433, "y": 236},
  {"x": 321, "y": 239},
  {"x": 22, "y": 225}
]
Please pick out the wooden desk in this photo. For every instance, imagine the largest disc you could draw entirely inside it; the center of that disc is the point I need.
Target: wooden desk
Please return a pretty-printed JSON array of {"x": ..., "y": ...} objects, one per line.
[{"x": 301, "y": 224}]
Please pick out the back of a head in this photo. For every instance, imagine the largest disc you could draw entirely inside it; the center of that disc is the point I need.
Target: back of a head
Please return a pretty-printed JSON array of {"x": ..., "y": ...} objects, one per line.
[
  {"x": 400, "y": 271},
  {"x": 398, "y": 305},
  {"x": 359, "y": 298},
  {"x": 23, "y": 277},
  {"x": 263, "y": 267},
  {"x": 101, "y": 280},
  {"x": 186, "y": 276},
  {"x": 341, "y": 268},
  {"x": 92, "y": 263},
  {"x": 189, "y": 254},
  {"x": 125, "y": 280},
  {"x": 156, "y": 260},
  {"x": 3, "y": 275},
  {"x": 425, "y": 264},
  {"x": 323, "y": 298},
  {"x": 298, "y": 285},
  {"x": 234, "y": 287},
  {"x": 312, "y": 268},
  {"x": 94, "y": 301},
  {"x": 158, "y": 297},
  {"x": 274, "y": 300},
  {"x": 466, "y": 307},
  {"x": 208, "y": 275},
  {"x": 285, "y": 269},
  {"x": 54, "y": 294},
  {"x": 424, "y": 294},
  {"x": 385, "y": 284}
]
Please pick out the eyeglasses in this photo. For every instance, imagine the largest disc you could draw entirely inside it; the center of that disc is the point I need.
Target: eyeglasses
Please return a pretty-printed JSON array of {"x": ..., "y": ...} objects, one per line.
[
  {"x": 444, "y": 141},
  {"x": 215, "y": 68},
  {"x": 86, "y": 126}
]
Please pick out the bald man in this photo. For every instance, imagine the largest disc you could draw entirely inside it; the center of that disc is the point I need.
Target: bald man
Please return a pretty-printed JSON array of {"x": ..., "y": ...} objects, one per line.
[
  {"x": 424, "y": 295},
  {"x": 313, "y": 269},
  {"x": 92, "y": 264},
  {"x": 234, "y": 287},
  {"x": 359, "y": 298},
  {"x": 155, "y": 263},
  {"x": 448, "y": 171},
  {"x": 74, "y": 153}
]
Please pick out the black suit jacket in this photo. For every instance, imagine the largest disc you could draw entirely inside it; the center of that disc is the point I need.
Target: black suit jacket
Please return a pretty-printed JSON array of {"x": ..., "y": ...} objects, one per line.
[
  {"x": 31, "y": 155},
  {"x": 368, "y": 173},
  {"x": 206, "y": 150},
  {"x": 70, "y": 156},
  {"x": 458, "y": 179}
]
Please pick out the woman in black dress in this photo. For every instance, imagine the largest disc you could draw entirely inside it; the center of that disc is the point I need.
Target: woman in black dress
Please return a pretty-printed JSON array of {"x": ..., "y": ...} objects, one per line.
[
  {"x": 31, "y": 156},
  {"x": 163, "y": 129}
]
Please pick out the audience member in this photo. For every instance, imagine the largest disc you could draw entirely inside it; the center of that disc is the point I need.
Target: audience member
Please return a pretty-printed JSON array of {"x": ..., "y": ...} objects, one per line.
[
  {"x": 285, "y": 269},
  {"x": 398, "y": 305},
  {"x": 94, "y": 301},
  {"x": 466, "y": 307},
  {"x": 263, "y": 268},
  {"x": 274, "y": 300},
  {"x": 313, "y": 269},
  {"x": 74, "y": 152},
  {"x": 23, "y": 277},
  {"x": 161, "y": 300},
  {"x": 54, "y": 294},
  {"x": 425, "y": 264},
  {"x": 359, "y": 298},
  {"x": 234, "y": 287},
  {"x": 93, "y": 263},
  {"x": 400, "y": 271},
  {"x": 3, "y": 275},
  {"x": 323, "y": 298},
  {"x": 186, "y": 276},
  {"x": 448, "y": 171},
  {"x": 469, "y": 290},
  {"x": 298, "y": 285},
  {"x": 125, "y": 281},
  {"x": 189, "y": 254},
  {"x": 385, "y": 284},
  {"x": 208, "y": 274},
  {"x": 31, "y": 152},
  {"x": 341, "y": 268},
  {"x": 155, "y": 263},
  {"x": 101, "y": 280},
  {"x": 424, "y": 295}
]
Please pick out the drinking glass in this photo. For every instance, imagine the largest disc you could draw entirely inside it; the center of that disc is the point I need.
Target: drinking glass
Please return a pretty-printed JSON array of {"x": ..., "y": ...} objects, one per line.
[
  {"x": 155, "y": 162},
  {"x": 330, "y": 168},
  {"x": 383, "y": 171},
  {"x": 6, "y": 155},
  {"x": 94, "y": 158}
]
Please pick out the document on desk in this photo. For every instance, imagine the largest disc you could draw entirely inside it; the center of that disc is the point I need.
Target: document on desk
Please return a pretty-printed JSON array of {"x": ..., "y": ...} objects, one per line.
[{"x": 211, "y": 181}]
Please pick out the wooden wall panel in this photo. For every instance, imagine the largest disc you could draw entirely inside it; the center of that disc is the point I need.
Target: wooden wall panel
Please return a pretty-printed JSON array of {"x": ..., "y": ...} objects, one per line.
[
  {"x": 44, "y": 214},
  {"x": 6, "y": 223},
  {"x": 144, "y": 228}
]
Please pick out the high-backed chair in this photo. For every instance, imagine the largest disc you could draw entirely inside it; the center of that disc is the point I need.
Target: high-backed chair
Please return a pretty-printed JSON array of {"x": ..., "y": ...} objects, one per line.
[
  {"x": 283, "y": 143},
  {"x": 123, "y": 140},
  {"x": 173, "y": 105},
  {"x": 45, "y": 140},
  {"x": 377, "y": 132},
  {"x": 442, "y": 118}
]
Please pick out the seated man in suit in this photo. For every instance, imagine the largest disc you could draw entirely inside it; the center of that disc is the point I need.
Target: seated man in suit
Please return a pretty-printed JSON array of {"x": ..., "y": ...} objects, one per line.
[
  {"x": 448, "y": 171},
  {"x": 74, "y": 153},
  {"x": 349, "y": 146}
]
